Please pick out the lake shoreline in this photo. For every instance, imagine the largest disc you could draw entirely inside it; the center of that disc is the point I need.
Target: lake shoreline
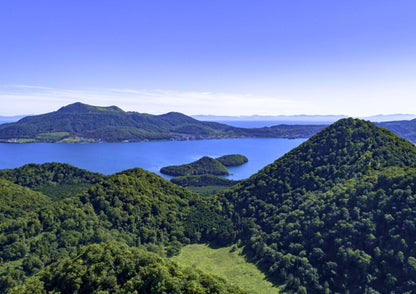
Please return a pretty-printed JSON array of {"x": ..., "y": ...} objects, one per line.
[
  {"x": 109, "y": 158},
  {"x": 94, "y": 141}
]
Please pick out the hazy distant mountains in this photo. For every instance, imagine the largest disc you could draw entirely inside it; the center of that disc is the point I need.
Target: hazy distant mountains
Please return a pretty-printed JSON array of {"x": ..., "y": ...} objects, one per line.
[
  {"x": 80, "y": 122},
  {"x": 403, "y": 125},
  {"x": 9, "y": 119},
  {"x": 405, "y": 128},
  {"x": 303, "y": 118}
]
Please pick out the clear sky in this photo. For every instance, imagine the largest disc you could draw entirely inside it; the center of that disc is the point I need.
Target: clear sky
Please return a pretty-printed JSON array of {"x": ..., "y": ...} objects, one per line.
[{"x": 224, "y": 57}]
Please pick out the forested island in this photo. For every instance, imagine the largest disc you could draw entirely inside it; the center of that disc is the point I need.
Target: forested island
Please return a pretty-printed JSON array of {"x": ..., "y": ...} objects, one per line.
[
  {"x": 334, "y": 215},
  {"x": 82, "y": 123},
  {"x": 206, "y": 165},
  {"x": 232, "y": 159},
  {"x": 204, "y": 174}
]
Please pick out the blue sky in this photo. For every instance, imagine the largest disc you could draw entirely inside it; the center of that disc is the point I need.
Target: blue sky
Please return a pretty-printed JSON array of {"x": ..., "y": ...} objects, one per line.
[{"x": 223, "y": 57}]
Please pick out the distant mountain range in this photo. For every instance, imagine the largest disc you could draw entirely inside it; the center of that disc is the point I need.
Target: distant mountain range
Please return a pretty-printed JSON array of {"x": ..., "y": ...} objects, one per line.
[
  {"x": 80, "y": 122},
  {"x": 9, "y": 119},
  {"x": 404, "y": 128},
  {"x": 303, "y": 118}
]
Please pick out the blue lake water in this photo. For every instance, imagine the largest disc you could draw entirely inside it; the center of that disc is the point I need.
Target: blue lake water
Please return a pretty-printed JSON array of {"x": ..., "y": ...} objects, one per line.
[{"x": 108, "y": 158}]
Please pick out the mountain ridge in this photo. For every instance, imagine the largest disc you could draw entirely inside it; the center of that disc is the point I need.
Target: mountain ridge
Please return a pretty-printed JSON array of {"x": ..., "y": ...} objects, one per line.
[
  {"x": 80, "y": 122},
  {"x": 85, "y": 123}
]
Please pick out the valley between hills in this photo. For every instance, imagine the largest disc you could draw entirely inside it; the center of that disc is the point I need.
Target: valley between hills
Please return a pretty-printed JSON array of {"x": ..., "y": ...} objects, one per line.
[{"x": 334, "y": 215}]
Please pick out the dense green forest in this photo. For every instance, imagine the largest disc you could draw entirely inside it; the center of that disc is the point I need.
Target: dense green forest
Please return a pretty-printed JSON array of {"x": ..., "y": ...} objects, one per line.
[
  {"x": 135, "y": 207},
  {"x": 57, "y": 180},
  {"x": 206, "y": 184},
  {"x": 201, "y": 176},
  {"x": 117, "y": 268},
  {"x": 17, "y": 201},
  {"x": 232, "y": 159},
  {"x": 203, "y": 180},
  {"x": 335, "y": 215},
  {"x": 80, "y": 122},
  {"x": 204, "y": 165}
]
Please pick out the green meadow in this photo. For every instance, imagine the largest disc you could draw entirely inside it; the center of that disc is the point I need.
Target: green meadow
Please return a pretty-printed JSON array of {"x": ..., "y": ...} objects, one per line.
[{"x": 229, "y": 264}]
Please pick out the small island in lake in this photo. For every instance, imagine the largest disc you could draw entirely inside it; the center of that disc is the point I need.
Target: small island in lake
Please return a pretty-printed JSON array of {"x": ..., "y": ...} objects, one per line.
[
  {"x": 203, "y": 175},
  {"x": 205, "y": 165},
  {"x": 232, "y": 159}
]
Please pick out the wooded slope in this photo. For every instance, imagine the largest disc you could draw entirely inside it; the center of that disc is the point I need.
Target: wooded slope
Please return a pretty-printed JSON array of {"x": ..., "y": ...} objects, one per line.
[{"x": 335, "y": 214}]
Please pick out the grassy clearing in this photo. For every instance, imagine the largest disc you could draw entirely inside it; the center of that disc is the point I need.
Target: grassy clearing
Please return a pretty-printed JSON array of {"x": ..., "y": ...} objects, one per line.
[{"x": 230, "y": 265}]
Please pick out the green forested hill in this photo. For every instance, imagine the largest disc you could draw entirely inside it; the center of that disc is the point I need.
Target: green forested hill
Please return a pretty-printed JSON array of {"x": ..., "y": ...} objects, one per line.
[
  {"x": 337, "y": 214},
  {"x": 206, "y": 184},
  {"x": 57, "y": 180},
  {"x": 134, "y": 207},
  {"x": 17, "y": 201},
  {"x": 117, "y": 268},
  {"x": 203, "y": 180},
  {"x": 81, "y": 122}
]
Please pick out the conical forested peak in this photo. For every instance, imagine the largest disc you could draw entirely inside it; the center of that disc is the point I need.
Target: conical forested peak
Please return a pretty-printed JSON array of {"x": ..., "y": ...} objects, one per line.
[
  {"x": 354, "y": 130},
  {"x": 348, "y": 148},
  {"x": 352, "y": 146},
  {"x": 335, "y": 215},
  {"x": 360, "y": 143}
]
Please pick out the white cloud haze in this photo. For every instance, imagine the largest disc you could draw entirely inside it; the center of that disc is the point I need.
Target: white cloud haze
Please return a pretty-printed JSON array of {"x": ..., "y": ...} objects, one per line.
[{"x": 363, "y": 101}]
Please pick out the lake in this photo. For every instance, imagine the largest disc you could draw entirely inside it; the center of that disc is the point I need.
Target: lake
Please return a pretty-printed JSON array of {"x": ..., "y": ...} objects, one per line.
[{"x": 108, "y": 158}]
